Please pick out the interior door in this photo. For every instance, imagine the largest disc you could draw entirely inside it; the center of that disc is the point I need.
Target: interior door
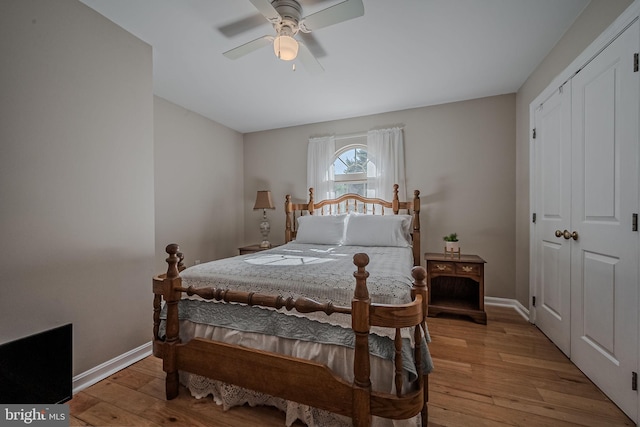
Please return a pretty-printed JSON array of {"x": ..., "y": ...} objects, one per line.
[
  {"x": 604, "y": 258},
  {"x": 552, "y": 157}
]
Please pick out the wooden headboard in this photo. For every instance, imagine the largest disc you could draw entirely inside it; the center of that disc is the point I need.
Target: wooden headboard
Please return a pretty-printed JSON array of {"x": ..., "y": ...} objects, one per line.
[{"x": 355, "y": 203}]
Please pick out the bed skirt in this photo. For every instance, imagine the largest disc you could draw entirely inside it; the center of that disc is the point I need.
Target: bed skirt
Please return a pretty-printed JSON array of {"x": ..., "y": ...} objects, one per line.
[{"x": 338, "y": 358}]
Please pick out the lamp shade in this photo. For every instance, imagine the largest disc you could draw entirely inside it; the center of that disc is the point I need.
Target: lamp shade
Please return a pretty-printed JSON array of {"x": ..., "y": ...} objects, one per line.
[
  {"x": 263, "y": 200},
  {"x": 285, "y": 47}
]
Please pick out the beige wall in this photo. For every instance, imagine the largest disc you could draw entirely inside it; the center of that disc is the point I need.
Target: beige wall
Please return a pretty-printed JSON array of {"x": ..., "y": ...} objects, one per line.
[
  {"x": 598, "y": 15},
  {"x": 461, "y": 156},
  {"x": 76, "y": 178},
  {"x": 199, "y": 175}
]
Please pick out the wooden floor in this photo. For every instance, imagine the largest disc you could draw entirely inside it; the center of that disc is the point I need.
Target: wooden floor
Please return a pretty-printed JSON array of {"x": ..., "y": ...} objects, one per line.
[{"x": 504, "y": 373}]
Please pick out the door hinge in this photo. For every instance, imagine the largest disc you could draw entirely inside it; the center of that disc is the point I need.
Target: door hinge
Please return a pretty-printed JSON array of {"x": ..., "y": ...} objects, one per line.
[
  {"x": 634, "y": 381},
  {"x": 634, "y": 222},
  {"x": 534, "y": 133},
  {"x": 533, "y": 218},
  {"x": 635, "y": 62},
  {"x": 533, "y": 301}
]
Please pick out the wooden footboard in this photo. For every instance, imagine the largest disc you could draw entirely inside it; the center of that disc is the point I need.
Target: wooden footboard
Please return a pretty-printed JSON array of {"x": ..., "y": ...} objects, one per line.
[{"x": 294, "y": 379}]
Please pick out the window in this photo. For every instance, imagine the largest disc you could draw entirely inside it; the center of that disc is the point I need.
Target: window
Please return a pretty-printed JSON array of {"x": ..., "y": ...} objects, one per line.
[
  {"x": 368, "y": 164},
  {"x": 351, "y": 167}
]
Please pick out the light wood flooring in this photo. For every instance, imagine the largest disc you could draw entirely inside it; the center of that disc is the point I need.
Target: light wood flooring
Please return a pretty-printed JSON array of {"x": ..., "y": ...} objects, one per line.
[{"x": 503, "y": 373}]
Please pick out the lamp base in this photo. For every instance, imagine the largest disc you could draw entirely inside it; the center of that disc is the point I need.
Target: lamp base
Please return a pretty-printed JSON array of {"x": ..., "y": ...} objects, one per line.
[{"x": 264, "y": 230}]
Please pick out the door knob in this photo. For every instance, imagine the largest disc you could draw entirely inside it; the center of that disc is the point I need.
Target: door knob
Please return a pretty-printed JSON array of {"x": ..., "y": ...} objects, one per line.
[
  {"x": 570, "y": 235},
  {"x": 567, "y": 234}
]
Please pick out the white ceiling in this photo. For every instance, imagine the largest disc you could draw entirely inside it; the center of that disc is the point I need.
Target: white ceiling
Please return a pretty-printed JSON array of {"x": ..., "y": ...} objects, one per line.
[{"x": 401, "y": 54}]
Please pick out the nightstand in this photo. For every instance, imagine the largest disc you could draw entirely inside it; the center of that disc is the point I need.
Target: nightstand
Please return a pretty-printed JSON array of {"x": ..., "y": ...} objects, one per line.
[
  {"x": 456, "y": 285},
  {"x": 252, "y": 249}
]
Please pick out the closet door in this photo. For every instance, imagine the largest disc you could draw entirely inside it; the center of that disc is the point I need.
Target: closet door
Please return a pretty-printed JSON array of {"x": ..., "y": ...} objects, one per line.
[
  {"x": 552, "y": 163},
  {"x": 604, "y": 258}
]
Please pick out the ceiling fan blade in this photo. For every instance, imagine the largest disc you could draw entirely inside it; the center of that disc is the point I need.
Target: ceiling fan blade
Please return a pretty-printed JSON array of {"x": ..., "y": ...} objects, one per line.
[
  {"x": 265, "y": 8},
  {"x": 249, "y": 47},
  {"x": 308, "y": 61},
  {"x": 312, "y": 43},
  {"x": 340, "y": 12},
  {"x": 240, "y": 26}
]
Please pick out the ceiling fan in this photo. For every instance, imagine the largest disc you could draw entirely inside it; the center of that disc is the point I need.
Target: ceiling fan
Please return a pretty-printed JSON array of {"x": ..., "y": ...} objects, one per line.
[{"x": 286, "y": 18}]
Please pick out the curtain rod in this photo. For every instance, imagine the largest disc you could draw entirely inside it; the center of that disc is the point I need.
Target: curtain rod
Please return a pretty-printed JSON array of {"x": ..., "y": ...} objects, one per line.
[
  {"x": 358, "y": 134},
  {"x": 351, "y": 135}
]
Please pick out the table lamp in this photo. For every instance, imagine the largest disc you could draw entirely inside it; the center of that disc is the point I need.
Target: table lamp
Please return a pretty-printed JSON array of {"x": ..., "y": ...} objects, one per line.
[{"x": 264, "y": 202}]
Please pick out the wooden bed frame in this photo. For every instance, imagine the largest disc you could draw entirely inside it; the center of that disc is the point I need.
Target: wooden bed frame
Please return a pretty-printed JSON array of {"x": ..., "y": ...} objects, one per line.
[{"x": 300, "y": 380}]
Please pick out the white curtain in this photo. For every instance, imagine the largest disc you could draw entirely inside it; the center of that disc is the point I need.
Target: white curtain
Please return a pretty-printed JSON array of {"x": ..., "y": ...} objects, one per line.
[
  {"x": 320, "y": 173},
  {"x": 385, "y": 149}
]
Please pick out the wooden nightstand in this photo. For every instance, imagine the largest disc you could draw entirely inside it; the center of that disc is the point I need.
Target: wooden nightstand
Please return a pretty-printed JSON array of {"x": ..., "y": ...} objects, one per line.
[
  {"x": 456, "y": 285},
  {"x": 251, "y": 249}
]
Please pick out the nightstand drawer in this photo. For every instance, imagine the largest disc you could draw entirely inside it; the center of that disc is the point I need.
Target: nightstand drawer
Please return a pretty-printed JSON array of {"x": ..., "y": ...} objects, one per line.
[
  {"x": 441, "y": 267},
  {"x": 467, "y": 269}
]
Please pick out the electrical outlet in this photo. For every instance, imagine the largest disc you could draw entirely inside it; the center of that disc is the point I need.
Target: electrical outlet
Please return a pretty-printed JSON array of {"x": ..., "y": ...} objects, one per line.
[{"x": 196, "y": 262}]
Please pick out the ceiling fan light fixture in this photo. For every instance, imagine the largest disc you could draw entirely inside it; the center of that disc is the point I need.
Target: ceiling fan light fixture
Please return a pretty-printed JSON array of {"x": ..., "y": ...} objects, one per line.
[{"x": 285, "y": 47}]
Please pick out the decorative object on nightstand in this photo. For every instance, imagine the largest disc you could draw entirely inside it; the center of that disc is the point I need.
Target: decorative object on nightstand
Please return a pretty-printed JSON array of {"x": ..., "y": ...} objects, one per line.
[
  {"x": 264, "y": 202},
  {"x": 451, "y": 245}
]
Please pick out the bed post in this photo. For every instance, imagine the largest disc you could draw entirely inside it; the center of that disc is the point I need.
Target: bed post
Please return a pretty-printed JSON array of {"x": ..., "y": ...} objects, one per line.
[
  {"x": 395, "y": 203},
  {"x": 172, "y": 281},
  {"x": 287, "y": 221},
  {"x": 310, "y": 208},
  {"x": 420, "y": 288},
  {"x": 360, "y": 305},
  {"x": 416, "y": 228}
]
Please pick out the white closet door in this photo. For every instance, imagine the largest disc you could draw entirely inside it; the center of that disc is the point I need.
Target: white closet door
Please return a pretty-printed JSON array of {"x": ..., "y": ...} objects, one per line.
[
  {"x": 552, "y": 157},
  {"x": 604, "y": 259}
]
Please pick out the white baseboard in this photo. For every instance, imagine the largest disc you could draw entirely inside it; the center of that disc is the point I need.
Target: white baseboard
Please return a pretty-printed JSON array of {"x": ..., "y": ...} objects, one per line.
[
  {"x": 505, "y": 302},
  {"x": 110, "y": 367}
]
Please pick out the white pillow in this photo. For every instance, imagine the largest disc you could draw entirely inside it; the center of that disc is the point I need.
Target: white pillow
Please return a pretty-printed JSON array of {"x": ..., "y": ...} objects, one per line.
[
  {"x": 321, "y": 229},
  {"x": 378, "y": 230}
]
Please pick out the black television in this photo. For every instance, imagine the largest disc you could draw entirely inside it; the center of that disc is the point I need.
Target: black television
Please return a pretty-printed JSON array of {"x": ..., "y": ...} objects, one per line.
[{"x": 37, "y": 368}]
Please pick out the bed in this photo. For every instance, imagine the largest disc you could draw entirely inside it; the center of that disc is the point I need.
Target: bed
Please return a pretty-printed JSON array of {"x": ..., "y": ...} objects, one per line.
[{"x": 297, "y": 328}]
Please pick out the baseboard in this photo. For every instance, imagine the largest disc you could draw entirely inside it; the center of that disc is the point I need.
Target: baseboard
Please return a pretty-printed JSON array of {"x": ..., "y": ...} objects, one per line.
[
  {"x": 110, "y": 367},
  {"x": 505, "y": 302}
]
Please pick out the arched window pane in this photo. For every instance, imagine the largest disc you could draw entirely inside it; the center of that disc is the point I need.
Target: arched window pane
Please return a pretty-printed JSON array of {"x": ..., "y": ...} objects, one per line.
[{"x": 352, "y": 166}]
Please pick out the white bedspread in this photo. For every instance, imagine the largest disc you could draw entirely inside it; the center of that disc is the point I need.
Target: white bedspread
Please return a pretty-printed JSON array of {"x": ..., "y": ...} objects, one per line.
[{"x": 320, "y": 272}]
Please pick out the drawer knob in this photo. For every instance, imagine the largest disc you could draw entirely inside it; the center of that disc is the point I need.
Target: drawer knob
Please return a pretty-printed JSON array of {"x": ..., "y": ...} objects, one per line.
[
  {"x": 467, "y": 268},
  {"x": 441, "y": 267}
]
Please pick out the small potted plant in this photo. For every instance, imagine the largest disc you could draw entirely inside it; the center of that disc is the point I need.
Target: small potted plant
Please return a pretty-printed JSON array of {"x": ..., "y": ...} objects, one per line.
[{"x": 451, "y": 242}]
